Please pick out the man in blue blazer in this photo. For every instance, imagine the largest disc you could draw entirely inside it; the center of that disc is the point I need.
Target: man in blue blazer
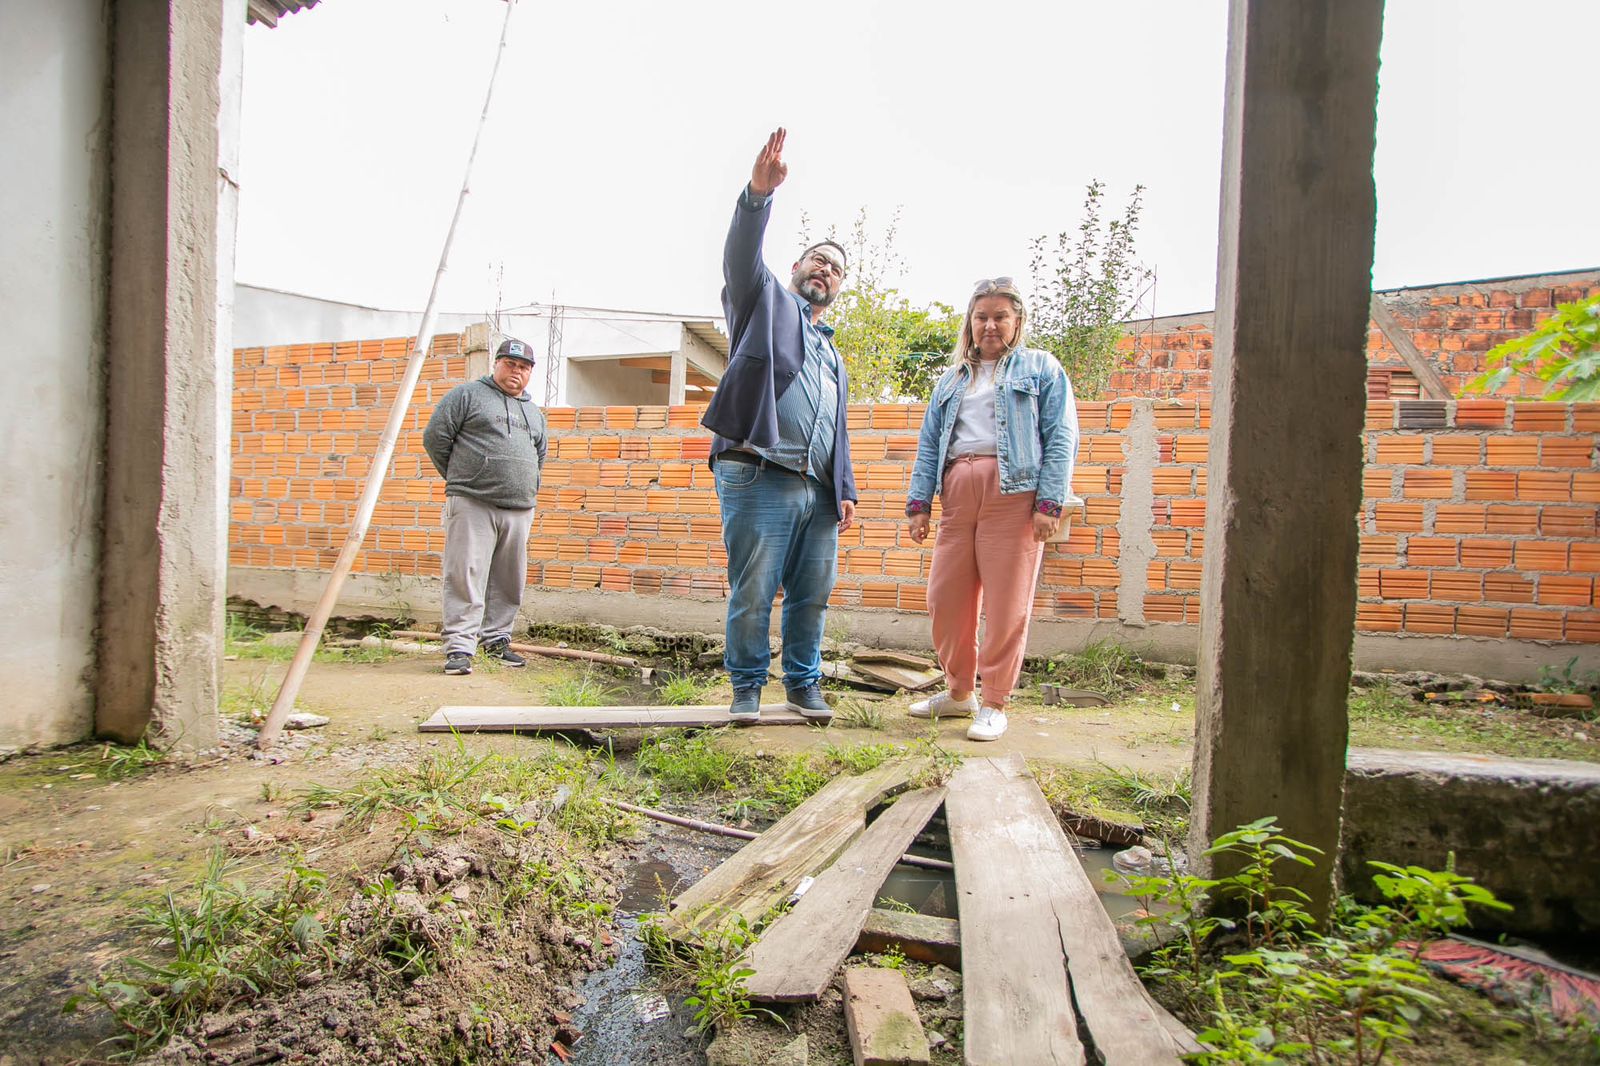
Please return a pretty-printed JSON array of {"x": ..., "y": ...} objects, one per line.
[{"x": 781, "y": 453}]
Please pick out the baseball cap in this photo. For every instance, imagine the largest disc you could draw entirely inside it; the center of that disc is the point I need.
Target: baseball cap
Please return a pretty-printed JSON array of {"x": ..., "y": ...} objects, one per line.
[{"x": 511, "y": 348}]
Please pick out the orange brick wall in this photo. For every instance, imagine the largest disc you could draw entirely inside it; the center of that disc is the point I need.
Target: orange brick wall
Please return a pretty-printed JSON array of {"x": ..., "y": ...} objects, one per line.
[
  {"x": 1479, "y": 518},
  {"x": 1454, "y": 326}
]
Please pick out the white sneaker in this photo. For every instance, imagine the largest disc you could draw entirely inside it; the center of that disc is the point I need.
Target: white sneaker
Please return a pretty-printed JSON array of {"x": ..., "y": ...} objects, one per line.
[
  {"x": 942, "y": 706},
  {"x": 989, "y": 725}
]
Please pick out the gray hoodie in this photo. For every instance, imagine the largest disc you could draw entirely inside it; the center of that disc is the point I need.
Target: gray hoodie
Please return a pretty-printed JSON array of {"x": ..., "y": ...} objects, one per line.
[{"x": 487, "y": 445}]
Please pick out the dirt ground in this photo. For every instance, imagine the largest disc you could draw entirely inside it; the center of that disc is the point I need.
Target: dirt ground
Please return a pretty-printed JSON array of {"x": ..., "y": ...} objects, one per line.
[{"x": 81, "y": 852}]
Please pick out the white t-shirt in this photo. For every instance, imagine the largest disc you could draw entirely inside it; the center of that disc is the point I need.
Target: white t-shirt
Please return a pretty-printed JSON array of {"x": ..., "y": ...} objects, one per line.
[{"x": 975, "y": 429}]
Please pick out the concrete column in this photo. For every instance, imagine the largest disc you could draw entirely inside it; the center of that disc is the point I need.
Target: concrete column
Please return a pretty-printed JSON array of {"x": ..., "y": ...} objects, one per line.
[
  {"x": 1294, "y": 274},
  {"x": 162, "y": 572},
  {"x": 678, "y": 376}
]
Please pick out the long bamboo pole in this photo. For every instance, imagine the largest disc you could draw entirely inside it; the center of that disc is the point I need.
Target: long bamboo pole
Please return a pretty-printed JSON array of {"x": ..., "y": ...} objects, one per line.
[{"x": 391, "y": 434}]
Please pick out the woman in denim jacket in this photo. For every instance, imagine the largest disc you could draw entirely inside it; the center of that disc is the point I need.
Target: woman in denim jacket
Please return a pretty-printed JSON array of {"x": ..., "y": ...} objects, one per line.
[{"x": 997, "y": 447}]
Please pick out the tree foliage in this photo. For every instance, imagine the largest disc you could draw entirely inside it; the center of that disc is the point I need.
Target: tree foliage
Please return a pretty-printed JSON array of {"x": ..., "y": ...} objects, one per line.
[
  {"x": 1085, "y": 284},
  {"x": 1564, "y": 352},
  {"x": 891, "y": 349}
]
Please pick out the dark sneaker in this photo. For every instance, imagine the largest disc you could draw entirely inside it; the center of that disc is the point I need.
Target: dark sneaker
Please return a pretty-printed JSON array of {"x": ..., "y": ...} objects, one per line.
[
  {"x": 746, "y": 706},
  {"x": 458, "y": 662},
  {"x": 500, "y": 651},
  {"x": 807, "y": 699}
]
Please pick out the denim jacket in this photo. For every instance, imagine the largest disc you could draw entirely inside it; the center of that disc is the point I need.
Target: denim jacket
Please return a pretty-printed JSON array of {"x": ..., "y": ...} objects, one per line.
[{"x": 1036, "y": 426}]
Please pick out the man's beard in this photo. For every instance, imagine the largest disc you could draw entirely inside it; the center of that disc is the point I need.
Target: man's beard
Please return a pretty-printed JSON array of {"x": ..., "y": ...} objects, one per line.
[{"x": 816, "y": 292}]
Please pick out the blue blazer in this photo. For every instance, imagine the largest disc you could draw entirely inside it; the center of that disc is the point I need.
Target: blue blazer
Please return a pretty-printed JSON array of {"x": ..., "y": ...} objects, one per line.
[{"x": 766, "y": 346}]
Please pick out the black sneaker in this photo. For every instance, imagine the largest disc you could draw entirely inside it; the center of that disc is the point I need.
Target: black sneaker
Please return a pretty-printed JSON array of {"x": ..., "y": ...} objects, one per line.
[
  {"x": 807, "y": 699},
  {"x": 500, "y": 651},
  {"x": 746, "y": 706},
  {"x": 458, "y": 662}
]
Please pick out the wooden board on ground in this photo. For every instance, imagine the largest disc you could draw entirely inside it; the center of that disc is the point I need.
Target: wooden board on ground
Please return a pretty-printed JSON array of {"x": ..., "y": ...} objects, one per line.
[
  {"x": 1025, "y": 900},
  {"x": 548, "y": 719},
  {"x": 916, "y": 936},
  {"x": 797, "y": 956},
  {"x": 840, "y": 671},
  {"x": 899, "y": 658},
  {"x": 1018, "y": 1002},
  {"x": 897, "y": 675},
  {"x": 768, "y": 869}
]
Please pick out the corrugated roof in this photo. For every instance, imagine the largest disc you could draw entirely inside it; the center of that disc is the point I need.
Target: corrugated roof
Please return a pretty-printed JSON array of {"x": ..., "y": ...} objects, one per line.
[
  {"x": 268, "y": 12},
  {"x": 709, "y": 331}
]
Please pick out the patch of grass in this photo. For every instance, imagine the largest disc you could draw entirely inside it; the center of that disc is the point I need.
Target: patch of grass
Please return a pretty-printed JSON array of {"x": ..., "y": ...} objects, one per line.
[
  {"x": 586, "y": 690},
  {"x": 225, "y": 945},
  {"x": 118, "y": 762},
  {"x": 1568, "y": 678},
  {"x": 1103, "y": 667},
  {"x": 680, "y": 689},
  {"x": 1160, "y": 801},
  {"x": 1381, "y": 717},
  {"x": 858, "y": 714},
  {"x": 861, "y": 757},
  {"x": 680, "y": 761},
  {"x": 713, "y": 970}
]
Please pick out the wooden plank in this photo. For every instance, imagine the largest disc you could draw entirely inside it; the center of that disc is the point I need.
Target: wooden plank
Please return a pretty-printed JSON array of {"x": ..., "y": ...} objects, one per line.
[
  {"x": 1006, "y": 823},
  {"x": 881, "y": 1019},
  {"x": 796, "y": 957},
  {"x": 916, "y": 936},
  {"x": 1427, "y": 376},
  {"x": 467, "y": 719},
  {"x": 767, "y": 870},
  {"x": 899, "y": 658},
  {"x": 1018, "y": 1002},
  {"x": 897, "y": 675}
]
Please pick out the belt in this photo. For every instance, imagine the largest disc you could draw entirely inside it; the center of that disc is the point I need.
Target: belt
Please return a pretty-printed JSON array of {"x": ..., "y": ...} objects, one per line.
[{"x": 750, "y": 459}]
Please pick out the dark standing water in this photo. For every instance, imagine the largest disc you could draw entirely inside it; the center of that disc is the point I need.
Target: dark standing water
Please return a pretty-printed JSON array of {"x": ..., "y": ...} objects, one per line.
[
  {"x": 934, "y": 891},
  {"x": 626, "y": 1018}
]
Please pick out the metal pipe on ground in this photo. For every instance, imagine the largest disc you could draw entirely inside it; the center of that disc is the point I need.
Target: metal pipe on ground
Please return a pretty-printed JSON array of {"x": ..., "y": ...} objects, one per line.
[
  {"x": 535, "y": 649},
  {"x": 284, "y": 703},
  {"x": 745, "y": 834}
]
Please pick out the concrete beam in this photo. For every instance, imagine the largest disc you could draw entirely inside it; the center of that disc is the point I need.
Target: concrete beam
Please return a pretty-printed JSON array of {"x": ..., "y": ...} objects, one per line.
[
  {"x": 1522, "y": 828},
  {"x": 163, "y": 569},
  {"x": 1294, "y": 276}
]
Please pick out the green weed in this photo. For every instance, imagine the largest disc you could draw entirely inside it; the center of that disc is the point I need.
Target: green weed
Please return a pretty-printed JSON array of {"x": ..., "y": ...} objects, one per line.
[
  {"x": 118, "y": 762},
  {"x": 585, "y": 690},
  {"x": 1348, "y": 994},
  {"x": 681, "y": 689},
  {"x": 226, "y": 945},
  {"x": 1103, "y": 667},
  {"x": 858, "y": 714}
]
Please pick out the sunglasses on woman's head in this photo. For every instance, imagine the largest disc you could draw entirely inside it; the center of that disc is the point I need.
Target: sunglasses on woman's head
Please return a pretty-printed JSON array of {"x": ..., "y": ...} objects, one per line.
[{"x": 986, "y": 286}]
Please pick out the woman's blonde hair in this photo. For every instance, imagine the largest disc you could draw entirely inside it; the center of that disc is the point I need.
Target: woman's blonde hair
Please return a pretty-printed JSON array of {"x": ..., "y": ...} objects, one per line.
[{"x": 966, "y": 350}]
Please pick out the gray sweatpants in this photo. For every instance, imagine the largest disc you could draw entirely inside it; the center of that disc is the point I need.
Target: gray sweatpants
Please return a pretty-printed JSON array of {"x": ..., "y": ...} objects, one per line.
[{"x": 485, "y": 570}]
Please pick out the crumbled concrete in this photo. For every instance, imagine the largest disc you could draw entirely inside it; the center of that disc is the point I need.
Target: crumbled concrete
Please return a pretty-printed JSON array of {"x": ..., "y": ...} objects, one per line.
[{"x": 1523, "y": 828}]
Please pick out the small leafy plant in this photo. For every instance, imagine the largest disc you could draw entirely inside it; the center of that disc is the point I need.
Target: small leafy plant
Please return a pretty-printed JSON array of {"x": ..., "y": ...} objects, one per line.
[{"x": 1267, "y": 985}]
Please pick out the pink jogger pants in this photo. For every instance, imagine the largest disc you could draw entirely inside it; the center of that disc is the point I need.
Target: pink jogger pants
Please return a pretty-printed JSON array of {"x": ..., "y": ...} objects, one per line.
[{"x": 985, "y": 558}]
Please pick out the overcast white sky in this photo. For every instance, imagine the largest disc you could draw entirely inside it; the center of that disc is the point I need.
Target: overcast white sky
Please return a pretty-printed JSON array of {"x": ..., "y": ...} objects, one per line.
[{"x": 621, "y": 132}]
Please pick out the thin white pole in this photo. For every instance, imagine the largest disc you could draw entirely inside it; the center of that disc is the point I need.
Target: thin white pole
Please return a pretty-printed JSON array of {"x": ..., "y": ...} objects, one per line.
[{"x": 391, "y": 434}]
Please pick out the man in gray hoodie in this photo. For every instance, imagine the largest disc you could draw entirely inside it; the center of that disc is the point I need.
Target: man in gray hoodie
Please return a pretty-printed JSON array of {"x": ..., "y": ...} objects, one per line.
[{"x": 487, "y": 440}]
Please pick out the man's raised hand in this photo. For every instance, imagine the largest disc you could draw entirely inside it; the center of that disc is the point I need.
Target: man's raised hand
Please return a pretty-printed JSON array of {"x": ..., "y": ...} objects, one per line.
[{"x": 770, "y": 169}]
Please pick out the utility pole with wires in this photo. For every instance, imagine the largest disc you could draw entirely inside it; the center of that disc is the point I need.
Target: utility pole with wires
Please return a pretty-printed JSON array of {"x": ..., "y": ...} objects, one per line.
[{"x": 552, "y": 366}]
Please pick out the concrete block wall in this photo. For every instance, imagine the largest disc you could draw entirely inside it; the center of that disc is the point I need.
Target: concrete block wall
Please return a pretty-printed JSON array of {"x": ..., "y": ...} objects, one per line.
[
  {"x": 1454, "y": 326},
  {"x": 1478, "y": 526}
]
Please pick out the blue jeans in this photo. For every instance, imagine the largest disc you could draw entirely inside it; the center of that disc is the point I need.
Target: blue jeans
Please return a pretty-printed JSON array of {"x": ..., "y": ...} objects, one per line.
[{"x": 781, "y": 530}]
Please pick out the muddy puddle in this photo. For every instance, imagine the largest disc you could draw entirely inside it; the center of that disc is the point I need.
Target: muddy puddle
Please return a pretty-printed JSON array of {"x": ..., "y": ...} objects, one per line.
[{"x": 626, "y": 1017}]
